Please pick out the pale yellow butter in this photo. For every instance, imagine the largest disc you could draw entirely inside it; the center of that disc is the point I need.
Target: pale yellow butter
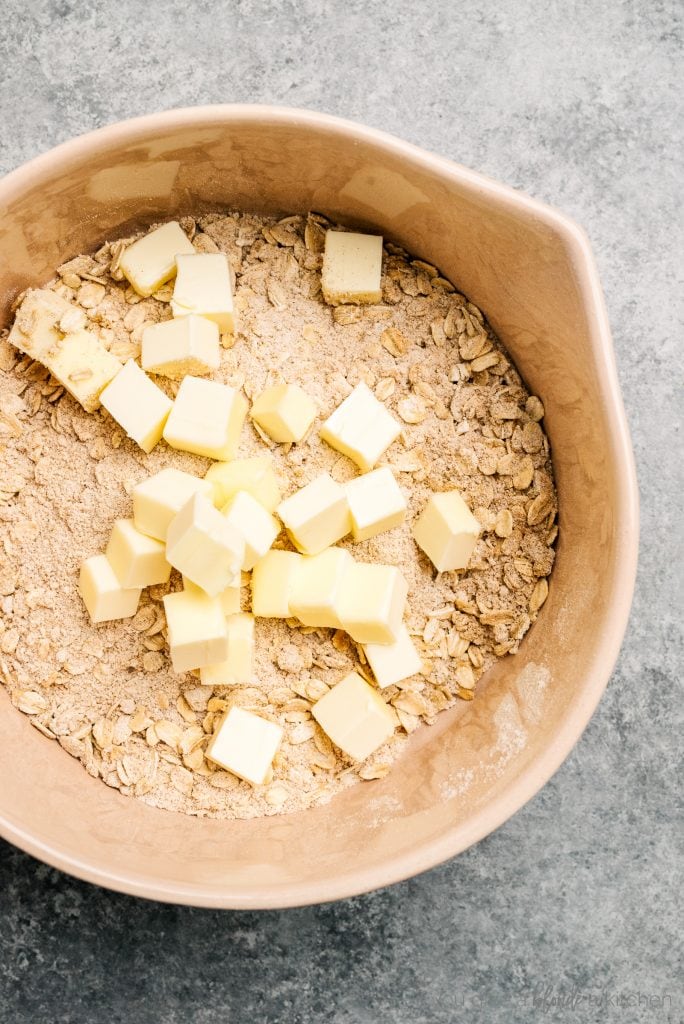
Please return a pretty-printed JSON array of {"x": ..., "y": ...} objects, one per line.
[
  {"x": 151, "y": 261},
  {"x": 253, "y": 475},
  {"x": 197, "y": 630},
  {"x": 229, "y": 598},
  {"x": 376, "y": 503},
  {"x": 102, "y": 593},
  {"x": 245, "y": 744},
  {"x": 392, "y": 663},
  {"x": 352, "y": 267},
  {"x": 238, "y": 666},
  {"x": 355, "y": 717},
  {"x": 137, "y": 405},
  {"x": 316, "y": 587},
  {"x": 177, "y": 348},
  {"x": 77, "y": 359},
  {"x": 206, "y": 419},
  {"x": 84, "y": 368},
  {"x": 272, "y": 582},
  {"x": 159, "y": 498},
  {"x": 361, "y": 428},
  {"x": 256, "y": 526},
  {"x": 317, "y": 515},
  {"x": 137, "y": 560},
  {"x": 284, "y": 412},
  {"x": 202, "y": 545},
  {"x": 203, "y": 286},
  {"x": 447, "y": 531},
  {"x": 371, "y": 602}
]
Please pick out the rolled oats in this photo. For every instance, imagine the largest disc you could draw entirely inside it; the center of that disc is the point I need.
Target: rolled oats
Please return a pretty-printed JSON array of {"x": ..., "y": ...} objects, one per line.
[{"x": 468, "y": 422}]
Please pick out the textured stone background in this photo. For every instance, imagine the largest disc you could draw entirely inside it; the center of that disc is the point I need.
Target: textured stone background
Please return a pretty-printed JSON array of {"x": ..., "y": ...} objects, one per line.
[{"x": 576, "y": 103}]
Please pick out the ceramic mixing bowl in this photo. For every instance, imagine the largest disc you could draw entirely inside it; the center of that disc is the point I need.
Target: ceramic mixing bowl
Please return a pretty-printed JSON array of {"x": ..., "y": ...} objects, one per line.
[{"x": 531, "y": 271}]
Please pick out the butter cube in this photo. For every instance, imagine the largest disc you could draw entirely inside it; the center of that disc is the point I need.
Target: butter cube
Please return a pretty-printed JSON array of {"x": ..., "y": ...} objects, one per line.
[
  {"x": 447, "y": 531},
  {"x": 151, "y": 261},
  {"x": 375, "y": 502},
  {"x": 317, "y": 515},
  {"x": 203, "y": 287},
  {"x": 238, "y": 666},
  {"x": 352, "y": 265},
  {"x": 159, "y": 498},
  {"x": 272, "y": 582},
  {"x": 361, "y": 428},
  {"x": 137, "y": 560},
  {"x": 245, "y": 744},
  {"x": 102, "y": 594},
  {"x": 371, "y": 602},
  {"x": 84, "y": 368},
  {"x": 253, "y": 475},
  {"x": 197, "y": 630},
  {"x": 137, "y": 405},
  {"x": 202, "y": 545},
  {"x": 229, "y": 598},
  {"x": 76, "y": 358},
  {"x": 391, "y": 663},
  {"x": 355, "y": 717},
  {"x": 176, "y": 348},
  {"x": 206, "y": 418},
  {"x": 255, "y": 525},
  {"x": 284, "y": 412},
  {"x": 316, "y": 587}
]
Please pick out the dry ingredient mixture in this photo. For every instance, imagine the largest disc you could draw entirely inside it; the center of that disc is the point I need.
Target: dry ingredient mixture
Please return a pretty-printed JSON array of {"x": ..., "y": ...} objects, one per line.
[{"x": 107, "y": 694}]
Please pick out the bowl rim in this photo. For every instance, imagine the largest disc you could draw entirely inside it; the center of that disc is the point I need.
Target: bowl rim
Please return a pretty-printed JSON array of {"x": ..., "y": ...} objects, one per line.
[{"x": 536, "y": 774}]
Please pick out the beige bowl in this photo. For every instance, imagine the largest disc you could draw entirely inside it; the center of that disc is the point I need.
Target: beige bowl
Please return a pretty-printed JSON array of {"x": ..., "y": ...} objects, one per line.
[{"x": 532, "y": 272}]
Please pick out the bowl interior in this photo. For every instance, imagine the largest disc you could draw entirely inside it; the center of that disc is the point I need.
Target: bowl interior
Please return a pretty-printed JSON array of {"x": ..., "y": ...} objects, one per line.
[{"x": 530, "y": 272}]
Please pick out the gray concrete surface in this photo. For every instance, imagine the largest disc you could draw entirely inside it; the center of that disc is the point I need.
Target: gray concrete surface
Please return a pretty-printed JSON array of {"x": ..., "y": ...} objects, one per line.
[{"x": 568, "y": 912}]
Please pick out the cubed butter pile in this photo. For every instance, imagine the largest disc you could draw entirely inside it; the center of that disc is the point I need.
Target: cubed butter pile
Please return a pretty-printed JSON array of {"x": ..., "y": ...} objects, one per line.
[
  {"x": 111, "y": 584},
  {"x": 331, "y": 589},
  {"x": 204, "y": 546},
  {"x": 176, "y": 524},
  {"x": 213, "y": 530},
  {"x": 323, "y": 512},
  {"x": 206, "y": 416}
]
